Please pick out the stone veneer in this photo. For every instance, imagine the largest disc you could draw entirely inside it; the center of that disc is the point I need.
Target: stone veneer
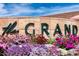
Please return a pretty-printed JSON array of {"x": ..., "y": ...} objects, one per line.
[{"x": 23, "y": 21}]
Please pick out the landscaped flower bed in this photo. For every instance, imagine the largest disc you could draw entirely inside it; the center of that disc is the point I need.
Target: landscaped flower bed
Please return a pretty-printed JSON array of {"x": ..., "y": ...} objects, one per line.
[{"x": 29, "y": 45}]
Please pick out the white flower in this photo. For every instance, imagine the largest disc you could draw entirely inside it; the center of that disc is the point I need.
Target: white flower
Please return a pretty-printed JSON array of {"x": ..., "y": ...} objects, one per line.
[{"x": 63, "y": 52}]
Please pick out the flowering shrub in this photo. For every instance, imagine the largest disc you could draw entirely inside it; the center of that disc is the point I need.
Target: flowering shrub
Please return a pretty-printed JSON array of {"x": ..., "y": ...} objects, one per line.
[
  {"x": 26, "y": 45},
  {"x": 32, "y": 50},
  {"x": 54, "y": 51},
  {"x": 67, "y": 43},
  {"x": 18, "y": 50},
  {"x": 39, "y": 51}
]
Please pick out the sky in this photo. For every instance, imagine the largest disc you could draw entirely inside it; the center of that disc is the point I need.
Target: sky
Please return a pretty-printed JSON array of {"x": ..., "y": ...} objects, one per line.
[{"x": 36, "y": 9}]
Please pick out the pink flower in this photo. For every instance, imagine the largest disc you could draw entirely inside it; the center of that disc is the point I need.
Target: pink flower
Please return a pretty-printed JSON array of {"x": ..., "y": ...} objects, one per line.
[
  {"x": 3, "y": 45},
  {"x": 70, "y": 46}
]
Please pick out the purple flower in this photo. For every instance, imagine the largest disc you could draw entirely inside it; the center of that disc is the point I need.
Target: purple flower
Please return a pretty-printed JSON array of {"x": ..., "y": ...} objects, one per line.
[{"x": 18, "y": 50}]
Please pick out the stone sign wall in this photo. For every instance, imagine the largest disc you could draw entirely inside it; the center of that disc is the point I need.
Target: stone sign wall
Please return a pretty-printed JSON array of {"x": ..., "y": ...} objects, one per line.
[{"x": 37, "y": 21}]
